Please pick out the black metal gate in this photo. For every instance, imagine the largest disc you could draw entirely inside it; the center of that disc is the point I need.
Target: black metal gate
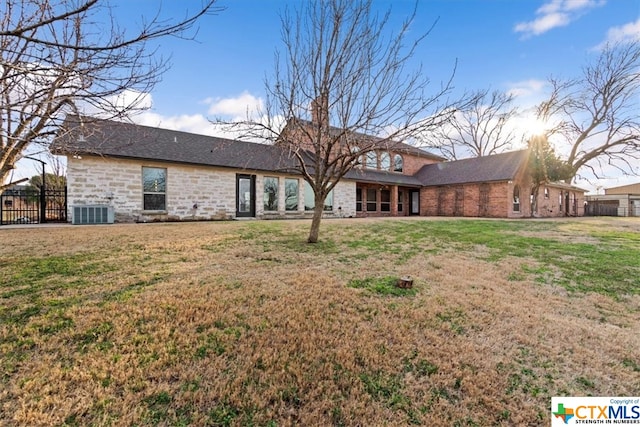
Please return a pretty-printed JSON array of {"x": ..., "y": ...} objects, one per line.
[{"x": 33, "y": 206}]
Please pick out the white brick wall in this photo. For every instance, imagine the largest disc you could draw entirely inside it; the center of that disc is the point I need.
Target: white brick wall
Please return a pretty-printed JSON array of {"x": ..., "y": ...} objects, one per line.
[{"x": 94, "y": 180}]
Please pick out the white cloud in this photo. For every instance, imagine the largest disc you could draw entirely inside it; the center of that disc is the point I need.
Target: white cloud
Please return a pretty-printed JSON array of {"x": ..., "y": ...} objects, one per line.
[
  {"x": 554, "y": 14},
  {"x": 527, "y": 91},
  {"x": 238, "y": 107},
  {"x": 624, "y": 33}
]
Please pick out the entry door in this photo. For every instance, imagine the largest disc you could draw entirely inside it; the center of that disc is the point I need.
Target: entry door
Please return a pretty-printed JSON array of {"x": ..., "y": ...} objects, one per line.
[
  {"x": 414, "y": 196},
  {"x": 245, "y": 196}
]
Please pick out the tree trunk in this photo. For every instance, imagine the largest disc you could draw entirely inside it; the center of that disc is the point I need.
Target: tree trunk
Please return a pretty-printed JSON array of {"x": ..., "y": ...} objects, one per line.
[
  {"x": 315, "y": 222},
  {"x": 534, "y": 202}
]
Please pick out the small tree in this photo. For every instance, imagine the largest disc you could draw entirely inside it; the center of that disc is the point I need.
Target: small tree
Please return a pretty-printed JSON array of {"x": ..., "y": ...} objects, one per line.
[
  {"x": 66, "y": 56},
  {"x": 481, "y": 128},
  {"x": 595, "y": 117},
  {"x": 339, "y": 60}
]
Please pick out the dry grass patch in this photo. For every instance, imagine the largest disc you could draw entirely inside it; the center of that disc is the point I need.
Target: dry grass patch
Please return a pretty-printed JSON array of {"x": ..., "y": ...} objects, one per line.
[{"x": 245, "y": 324}]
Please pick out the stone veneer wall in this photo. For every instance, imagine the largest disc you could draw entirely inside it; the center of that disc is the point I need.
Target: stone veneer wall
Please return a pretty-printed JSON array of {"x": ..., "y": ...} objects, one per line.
[{"x": 193, "y": 192}]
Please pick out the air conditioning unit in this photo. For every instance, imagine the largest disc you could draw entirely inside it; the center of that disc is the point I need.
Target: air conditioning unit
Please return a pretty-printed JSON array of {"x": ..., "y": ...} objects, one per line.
[{"x": 92, "y": 215}]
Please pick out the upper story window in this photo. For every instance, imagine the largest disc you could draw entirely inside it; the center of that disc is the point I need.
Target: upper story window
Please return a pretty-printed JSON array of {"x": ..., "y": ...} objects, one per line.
[
  {"x": 385, "y": 161},
  {"x": 371, "y": 160},
  {"x": 357, "y": 160},
  {"x": 154, "y": 189},
  {"x": 398, "y": 163}
]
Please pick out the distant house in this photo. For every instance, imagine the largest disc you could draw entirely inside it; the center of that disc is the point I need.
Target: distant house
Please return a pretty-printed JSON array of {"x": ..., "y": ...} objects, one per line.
[
  {"x": 152, "y": 174},
  {"x": 616, "y": 201}
]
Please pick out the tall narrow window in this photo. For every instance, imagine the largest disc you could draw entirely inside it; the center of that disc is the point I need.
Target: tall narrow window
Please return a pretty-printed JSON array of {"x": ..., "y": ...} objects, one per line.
[
  {"x": 154, "y": 187},
  {"x": 291, "y": 194},
  {"x": 270, "y": 193},
  {"x": 385, "y": 161},
  {"x": 398, "y": 163},
  {"x": 546, "y": 193},
  {"x": 400, "y": 201},
  {"x": 385, "y": 200},
  {"x": 560, "y": 201},
  {"x": 516, "y": 199},
  {"x": 372, "y": 200},
  {"x": 310, "y": 199},
  {"x": 357, "y": 161},
  {"x": 371, "y": 160},
  {"x": 358, "y": 199}
]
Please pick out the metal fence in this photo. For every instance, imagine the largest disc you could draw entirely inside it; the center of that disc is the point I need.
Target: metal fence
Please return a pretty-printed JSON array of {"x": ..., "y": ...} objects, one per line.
[
  {"x": 33, "y": 206},
  {"x": 603, "y": 209}
]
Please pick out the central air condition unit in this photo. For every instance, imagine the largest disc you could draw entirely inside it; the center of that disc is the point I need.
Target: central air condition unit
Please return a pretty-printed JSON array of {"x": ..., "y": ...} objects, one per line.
[{"x": 92, "y": 215}]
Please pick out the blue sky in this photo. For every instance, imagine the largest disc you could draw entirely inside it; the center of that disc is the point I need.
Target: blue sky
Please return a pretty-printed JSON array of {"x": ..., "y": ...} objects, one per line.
[{"x": 509, "y": 45}]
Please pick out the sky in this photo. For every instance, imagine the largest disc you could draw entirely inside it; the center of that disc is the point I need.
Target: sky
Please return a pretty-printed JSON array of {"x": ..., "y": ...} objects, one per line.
[{"x": 506, "y": 45}]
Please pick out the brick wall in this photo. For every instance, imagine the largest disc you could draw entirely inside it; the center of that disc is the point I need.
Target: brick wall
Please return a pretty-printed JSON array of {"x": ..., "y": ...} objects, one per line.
[{"x": 496, "y": 200}]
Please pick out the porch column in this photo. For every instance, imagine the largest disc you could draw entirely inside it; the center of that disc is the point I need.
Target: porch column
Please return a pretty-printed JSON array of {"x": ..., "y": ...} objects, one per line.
[{"x": 394, "y": 200}]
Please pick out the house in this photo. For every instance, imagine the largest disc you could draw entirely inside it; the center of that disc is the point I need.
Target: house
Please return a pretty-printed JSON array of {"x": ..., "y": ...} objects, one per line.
[
  {"x": 152, "y": 174},
  {"x": 494, "y": 186},
  {"x": 616, "y": 201}
]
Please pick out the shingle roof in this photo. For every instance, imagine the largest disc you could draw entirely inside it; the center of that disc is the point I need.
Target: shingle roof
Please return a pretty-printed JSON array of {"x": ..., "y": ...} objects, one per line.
[
  {"x": 118, "y": 139},
  {"x": 499, "y": 167},
  {"x": 382, "y": 177},
  {"x": 395, "y": 146}
]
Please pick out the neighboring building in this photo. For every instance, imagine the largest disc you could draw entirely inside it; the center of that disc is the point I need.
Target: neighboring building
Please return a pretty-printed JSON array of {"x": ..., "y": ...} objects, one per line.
[
  {"x": 152, "y": 174},
  {"x": 616, "y": 201}
]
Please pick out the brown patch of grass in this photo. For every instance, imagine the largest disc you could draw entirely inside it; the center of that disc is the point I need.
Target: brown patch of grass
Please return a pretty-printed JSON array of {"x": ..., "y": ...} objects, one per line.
[{"x": 244, "y": 324}]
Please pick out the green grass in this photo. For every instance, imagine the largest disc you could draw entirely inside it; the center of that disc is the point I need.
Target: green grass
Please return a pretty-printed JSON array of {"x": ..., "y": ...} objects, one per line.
[
  {"x": 607, "y": 266},
  {"x": 246, "y": 324},
  {"x": 381, "y": 286}
]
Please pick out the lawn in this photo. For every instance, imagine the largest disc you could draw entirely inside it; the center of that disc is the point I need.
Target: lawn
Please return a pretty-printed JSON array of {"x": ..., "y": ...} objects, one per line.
[{"x": 242, "y": 323}]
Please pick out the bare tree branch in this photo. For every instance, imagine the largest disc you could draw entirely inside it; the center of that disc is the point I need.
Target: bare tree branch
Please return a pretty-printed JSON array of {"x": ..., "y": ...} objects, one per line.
[
  {"x": 64, "y": 56},
  {"x": 479, "y": 128},
  {"x": 596, "y": 116}
]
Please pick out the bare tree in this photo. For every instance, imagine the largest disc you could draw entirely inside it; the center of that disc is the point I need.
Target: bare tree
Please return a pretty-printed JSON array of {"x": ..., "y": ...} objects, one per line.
[
  {"x": 482, "y": 128},
  {"x": 596, "y": 116},
  {"x": 340, "y": 59},
  {"x": 62, "y": 56}
]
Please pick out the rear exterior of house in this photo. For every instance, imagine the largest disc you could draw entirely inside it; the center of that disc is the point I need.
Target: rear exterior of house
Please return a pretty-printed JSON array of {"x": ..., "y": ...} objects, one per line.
[
  {"x": 497, "y": 186},
  {"x": 146, "y": 174}
]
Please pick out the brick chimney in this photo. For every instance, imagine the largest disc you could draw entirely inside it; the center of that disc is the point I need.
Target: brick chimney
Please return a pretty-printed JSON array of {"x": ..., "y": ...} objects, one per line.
[{"x": 320, "y": 110}]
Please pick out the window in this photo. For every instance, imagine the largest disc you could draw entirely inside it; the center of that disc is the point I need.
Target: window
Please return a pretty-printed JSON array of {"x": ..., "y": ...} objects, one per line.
[
  {"x": 154, "y": 187},
  {"x": 371, "y": 160},
  {"x": 398, "y": 163},
  {"x": 516, "y": 199},
  {"x": 328, "y": 202},
  {"x": 358, "y": 199},
  {"x": 310, "y": 199},
  {"x": 400, "y": 201},
  {"x": 385, "y": 200},
  {"x": 385, "y": 161},
  {"x": 560, "y": 201},
  {"x": 546, "y": 193},
  {"x": 270, "y": 193},
  {"x": 372, "y": 200},
  {"x": 357, "y": 161},
  {"x": 291, "y": 194}
]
